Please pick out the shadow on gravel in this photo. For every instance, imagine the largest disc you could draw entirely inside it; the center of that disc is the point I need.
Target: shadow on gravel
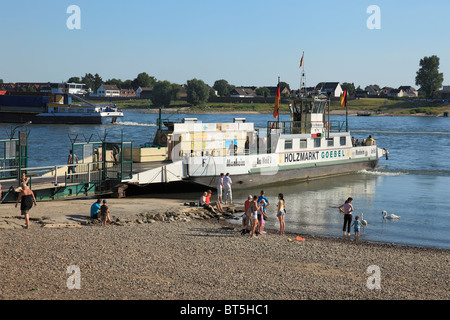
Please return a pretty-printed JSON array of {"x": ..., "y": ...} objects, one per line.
[{"x": 207, "y": 232}]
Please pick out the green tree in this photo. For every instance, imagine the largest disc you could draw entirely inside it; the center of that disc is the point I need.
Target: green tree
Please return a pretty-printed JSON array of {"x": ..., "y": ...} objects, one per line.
[
  {"x": 223, "y": 88},
  {"x": 163, "y": 93},
  {"x": 143, "y": 80},
  {"x": 197, "y": 92},
  {"x": 74, "y": 79},
  {"x": 284, "y": 85},
  {"x": 88, "y": 80},
  {"x": 127, "y": 84},
  {"x": 350, "y": 87},
  {"x": 263, "y": 91},
  {"x": 428, "y": 77},
  {"x": 97, "y": 82},
  {"x": 1, "y": 80},
  {"x": 116, "y": 82}
]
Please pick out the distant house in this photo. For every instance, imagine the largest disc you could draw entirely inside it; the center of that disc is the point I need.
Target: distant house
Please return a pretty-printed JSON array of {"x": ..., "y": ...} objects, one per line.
[
  {"x": 444, "y": 93},
  {"x": 372, "y": 90},
  {"x": 27, "y": 86},
  {"x": 396, "y": 93},
  {"x": 107, "y": 90},
  {"x": 307, "y": 90},
  {"x": 8, "y": 86},
  {"x": 409, "y": 91},
  {"x": 284, "y": 91},
  {"x": 183, "y": 92},
  {"x": 144, "y": 92},
  {"x": 360, "y": 94},
  {"x": 243, "y": 93},
  {"x": 385, "y": 91},
  {"x": 332, "y": 87},
  {"x": 127, "y": 93}
]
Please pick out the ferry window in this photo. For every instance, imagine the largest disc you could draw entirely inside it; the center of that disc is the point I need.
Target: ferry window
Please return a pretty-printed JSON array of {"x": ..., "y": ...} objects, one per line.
[
  {"x": 303, "y": 144},
  {"x": 288, "y": 144},
  {"x": 343, "y": 141},
  {"x": 330, "y": 143},
  {"x": 317, "y": 142}
]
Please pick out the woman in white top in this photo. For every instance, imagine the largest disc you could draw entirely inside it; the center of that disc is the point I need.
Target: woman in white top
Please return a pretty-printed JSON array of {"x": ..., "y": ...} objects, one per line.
[{"x": 281, "y": 211}]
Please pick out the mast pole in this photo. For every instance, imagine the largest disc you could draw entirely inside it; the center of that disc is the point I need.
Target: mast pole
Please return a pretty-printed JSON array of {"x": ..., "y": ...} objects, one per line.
[{"x": 278, "y": 118}]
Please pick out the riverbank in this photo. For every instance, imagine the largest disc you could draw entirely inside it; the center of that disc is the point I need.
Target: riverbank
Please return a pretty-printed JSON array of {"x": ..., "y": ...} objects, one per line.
[
  {"x": 162, "y": 249},
  {"x": 376, "y": 106},
  {"x": 187, "y": 110}
]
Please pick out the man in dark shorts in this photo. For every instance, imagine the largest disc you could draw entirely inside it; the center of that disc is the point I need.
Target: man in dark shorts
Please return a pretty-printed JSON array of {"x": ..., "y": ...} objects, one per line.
[{"x": 26, "y": 198}]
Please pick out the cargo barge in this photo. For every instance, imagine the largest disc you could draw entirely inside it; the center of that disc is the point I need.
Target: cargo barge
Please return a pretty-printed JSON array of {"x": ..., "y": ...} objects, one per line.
[{"x": 54, "y": 108}]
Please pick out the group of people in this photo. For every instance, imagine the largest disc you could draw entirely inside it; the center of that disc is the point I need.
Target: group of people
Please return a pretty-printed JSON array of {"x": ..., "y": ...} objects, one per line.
[
  {"x": 100, "y": 210},
  {"x": 365, "y": 142},
  {"x": 256, "y": 213},
  {"x": 347, "y": 209}
]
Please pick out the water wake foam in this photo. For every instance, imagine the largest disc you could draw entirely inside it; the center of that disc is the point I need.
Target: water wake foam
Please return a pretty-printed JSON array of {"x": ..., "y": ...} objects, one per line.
[
  {"x": 402, "y": 132},
  {"x": 406, "y": 172},
  {"x": 382, "y": 173},
  {"x": 136, "y": 124}
]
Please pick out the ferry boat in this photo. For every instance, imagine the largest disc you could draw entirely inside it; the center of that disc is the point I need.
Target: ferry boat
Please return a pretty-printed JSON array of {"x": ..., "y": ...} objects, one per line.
[
  {"x": 54, "y": 108},
  {"x": 309, "y": 146}
]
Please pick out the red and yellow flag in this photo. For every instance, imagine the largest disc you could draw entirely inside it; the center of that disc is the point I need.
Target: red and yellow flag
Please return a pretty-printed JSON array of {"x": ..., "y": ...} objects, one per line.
[
  {"x": 344, "y": 99},
  {"x": 301, "y": 61},
  {"x": 276, "y": 111}
]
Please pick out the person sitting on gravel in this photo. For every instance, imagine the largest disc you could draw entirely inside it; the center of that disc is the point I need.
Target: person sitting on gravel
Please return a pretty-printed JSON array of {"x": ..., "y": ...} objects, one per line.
[
  {"x": 95, "y": 209},
  {"x": 204, "y": 204},
  {"x": 104, "y": 214},
  {"x": 213, "y": 204}
]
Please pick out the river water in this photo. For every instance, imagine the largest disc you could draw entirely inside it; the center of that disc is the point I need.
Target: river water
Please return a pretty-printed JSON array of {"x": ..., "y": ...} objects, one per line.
[{"x": 414, "y": 183}]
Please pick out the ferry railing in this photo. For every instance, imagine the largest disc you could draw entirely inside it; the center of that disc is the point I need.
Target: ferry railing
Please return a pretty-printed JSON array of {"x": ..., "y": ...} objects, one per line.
[
  {"x": 91, "y": 173},
  {"x": 302, "y": 127},
  {"x": 288, "y": 127},
  {"x": 13, "y": 156}
]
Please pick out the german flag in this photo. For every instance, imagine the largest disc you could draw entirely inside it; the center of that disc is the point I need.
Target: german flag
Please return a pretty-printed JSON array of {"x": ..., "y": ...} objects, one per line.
[
  {"x": 344, "y": 99},
  {"x": 301, "y": 61},
  {"x": 277, "y": 103}
]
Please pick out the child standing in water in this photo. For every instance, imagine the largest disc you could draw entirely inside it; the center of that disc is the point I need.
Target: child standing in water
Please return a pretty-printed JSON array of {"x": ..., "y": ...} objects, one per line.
[
  {"x": 357, "y": 226},
  {"x": 281, "y": 211}
]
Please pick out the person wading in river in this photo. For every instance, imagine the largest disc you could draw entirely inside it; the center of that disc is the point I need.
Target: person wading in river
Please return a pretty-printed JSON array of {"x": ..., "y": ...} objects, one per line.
[{"x": 347, "y": 209}]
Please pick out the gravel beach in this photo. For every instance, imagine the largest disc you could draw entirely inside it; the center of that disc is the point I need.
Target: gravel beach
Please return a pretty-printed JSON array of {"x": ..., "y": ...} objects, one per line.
[{"x": 160, "y": 249}]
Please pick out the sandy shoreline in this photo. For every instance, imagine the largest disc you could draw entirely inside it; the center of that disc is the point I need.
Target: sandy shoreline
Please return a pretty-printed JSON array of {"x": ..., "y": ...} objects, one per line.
[{"x": 161, "y": 249}]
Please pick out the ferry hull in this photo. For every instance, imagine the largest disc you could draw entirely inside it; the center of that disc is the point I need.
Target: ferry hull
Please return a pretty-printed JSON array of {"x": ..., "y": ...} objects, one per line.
[{"x": 252, "y": 180}]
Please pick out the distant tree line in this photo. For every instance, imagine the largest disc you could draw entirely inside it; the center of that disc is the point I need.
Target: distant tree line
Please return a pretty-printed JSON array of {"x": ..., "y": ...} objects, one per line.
[{"x": 428, "y": 78}]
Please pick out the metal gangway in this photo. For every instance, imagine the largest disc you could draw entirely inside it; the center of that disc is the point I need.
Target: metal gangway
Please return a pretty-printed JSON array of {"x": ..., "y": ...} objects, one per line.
[{"x": 100, "y": 167}]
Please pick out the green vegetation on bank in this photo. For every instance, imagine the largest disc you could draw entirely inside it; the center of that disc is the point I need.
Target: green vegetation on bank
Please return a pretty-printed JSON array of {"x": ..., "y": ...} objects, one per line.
[{"x": 373, "y": 105}]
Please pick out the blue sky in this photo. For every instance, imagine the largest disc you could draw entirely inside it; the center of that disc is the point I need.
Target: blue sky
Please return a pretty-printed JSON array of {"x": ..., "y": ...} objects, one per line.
[{"x": 245, "y": 42}]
